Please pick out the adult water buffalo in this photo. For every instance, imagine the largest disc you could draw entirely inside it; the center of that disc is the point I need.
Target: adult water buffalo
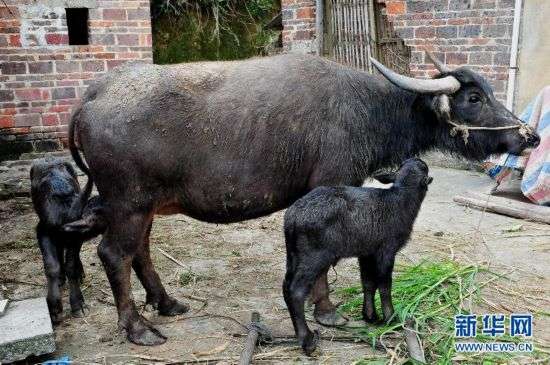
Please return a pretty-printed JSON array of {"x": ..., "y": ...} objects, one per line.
[{"x": 228, "y": 141}]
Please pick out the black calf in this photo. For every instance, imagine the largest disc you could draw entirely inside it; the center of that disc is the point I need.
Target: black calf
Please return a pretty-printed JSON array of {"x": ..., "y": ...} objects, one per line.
[
  {"x": 66, "y": 220},
  {"x": 331, "y": 223}
]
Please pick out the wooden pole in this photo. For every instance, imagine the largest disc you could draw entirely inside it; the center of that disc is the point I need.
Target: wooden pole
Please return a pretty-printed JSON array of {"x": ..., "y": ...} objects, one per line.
[
  {"x": 506, "y": 206},
  {"x": 251, "y": 340},
  {"x": 319, "y": 25}
]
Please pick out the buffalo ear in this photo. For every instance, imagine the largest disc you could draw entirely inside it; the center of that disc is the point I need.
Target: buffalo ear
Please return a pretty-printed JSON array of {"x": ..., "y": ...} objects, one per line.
[
  {"x": 79, "y": 226},
  {"x": 385, "y": 177}
]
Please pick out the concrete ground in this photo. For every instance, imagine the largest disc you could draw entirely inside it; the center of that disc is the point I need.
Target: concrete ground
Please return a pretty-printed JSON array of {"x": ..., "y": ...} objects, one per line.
[{"x": 229, "y": 270}]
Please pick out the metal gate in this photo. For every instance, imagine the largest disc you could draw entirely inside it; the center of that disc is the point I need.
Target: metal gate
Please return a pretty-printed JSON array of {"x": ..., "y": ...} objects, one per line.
[{"x": 358, "y": 29}]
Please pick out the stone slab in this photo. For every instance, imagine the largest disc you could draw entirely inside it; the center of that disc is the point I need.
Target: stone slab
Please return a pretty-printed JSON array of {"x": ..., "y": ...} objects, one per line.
[{"x": 26, "y": 330}]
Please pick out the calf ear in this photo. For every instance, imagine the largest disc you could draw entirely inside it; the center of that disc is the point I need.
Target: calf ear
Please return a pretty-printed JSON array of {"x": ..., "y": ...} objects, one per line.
[
  {"x": 427, "y": 180},
  {"x": 385, "y": 177}
]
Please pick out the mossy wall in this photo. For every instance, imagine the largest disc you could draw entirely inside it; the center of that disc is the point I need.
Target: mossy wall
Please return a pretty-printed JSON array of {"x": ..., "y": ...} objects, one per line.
[{"x": 186, "y": 31}]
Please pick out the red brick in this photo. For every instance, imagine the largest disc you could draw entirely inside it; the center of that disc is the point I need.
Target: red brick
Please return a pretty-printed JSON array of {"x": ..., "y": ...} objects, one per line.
[
  {"x": 138, "y": 14},
  {"x": 28, "y": 94},
  {"x": 63, "y": 93},
  {"x": 395, "y": 7},
  {"x": 104, "y": 55},
  {"x": 452, "y": 58},
  {"x": 6, "y": 121},
  {"x": 114, "y": 63},
  {"x": 8, "y": 12},
  {"x": 303, "y": 35},
  {"x": 55, "y": 39},
  {"x": 15, "y": 40},
  {"x": 114, "y": 14},
  {"x": 50, "y": 119},
  {"x": 305, "y": 13},
  {"x": 424, "y": 32},
  {"x": 6, "y": 95},
  {"x": 67, "y": 66},
  {"x": 27, "y": 120},
  {"x": 13, "y": 68},
  {"x": 64, "y": 118},
  {"x": 40, "y": 67},
  {"x": 128, "y": 39},
  {"x": 93, "y": 66},
  {"x": 59, "y": 108},
  {"x": 457, "y": 21}
]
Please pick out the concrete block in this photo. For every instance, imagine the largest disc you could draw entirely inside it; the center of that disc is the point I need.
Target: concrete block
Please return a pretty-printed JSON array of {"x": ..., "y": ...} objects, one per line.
[{"x": 26, "y": 330}]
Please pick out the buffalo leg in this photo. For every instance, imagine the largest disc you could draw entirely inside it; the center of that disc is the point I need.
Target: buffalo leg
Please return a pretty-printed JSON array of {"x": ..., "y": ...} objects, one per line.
[
  {"x": 368, "y": 268},
  {"x": 117, "y": 251},
  {"x": 74, "y": 275},
  {"x": 325, "y": 312},
  {"x": 384, "y": 281},
  {"x": 53, "y": 271},
  {"x": 156, "y": 294},
  {"x": 296, "y": 287}
]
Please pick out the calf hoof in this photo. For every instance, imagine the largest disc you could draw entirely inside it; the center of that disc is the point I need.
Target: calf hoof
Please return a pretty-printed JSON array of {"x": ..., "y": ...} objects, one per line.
[
  {"x": 144, "y": 334},
  {"x": 330, "y": 318},
  {"x": 56, "y": 318},
  {"x": 171, "y": 307},
  {"x": 309, "y": 343}
]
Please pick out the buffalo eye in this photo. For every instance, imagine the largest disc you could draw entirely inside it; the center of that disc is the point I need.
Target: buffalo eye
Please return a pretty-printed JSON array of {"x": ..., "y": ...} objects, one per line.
[{"x": 474, "y": 98}]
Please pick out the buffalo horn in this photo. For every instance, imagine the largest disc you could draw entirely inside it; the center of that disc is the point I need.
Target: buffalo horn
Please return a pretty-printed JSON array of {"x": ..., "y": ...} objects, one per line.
[
  {"x": 445, "y": 85},
  {"x": 437, "y": 63}
]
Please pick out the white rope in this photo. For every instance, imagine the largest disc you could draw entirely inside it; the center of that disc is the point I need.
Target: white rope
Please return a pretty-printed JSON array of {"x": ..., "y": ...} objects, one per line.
[{"x": 465, "y": 129}]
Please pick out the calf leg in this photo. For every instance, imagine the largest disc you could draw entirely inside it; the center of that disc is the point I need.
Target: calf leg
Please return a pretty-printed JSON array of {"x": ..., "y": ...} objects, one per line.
[
  {"x": 117, "y": 250},
  {"x": 53, "y": 271},
  {"x": 156, "y": 294},
  {"x": 75, "y": 275},
  {"x": 325, "y": 312},
  {"x": 368, "y": 268},
  {"x": 385, "y": 262},
  {"x": 296, "y": 286}
]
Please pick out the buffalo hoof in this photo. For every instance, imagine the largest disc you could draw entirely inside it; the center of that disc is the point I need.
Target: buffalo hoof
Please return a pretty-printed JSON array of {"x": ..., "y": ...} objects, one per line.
[
  {"x": 171, "y": 307},
  {"x": 330, "y": 318},
  {"x": 81, "y": 311},
  {"x": 373, "y": 319},
  {"x": 309, "y": 343},
  {"x": 144, "y": 334}
]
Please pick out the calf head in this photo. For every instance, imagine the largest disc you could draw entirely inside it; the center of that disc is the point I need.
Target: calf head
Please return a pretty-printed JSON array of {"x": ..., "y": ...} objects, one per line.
[
  {"x": 412, "y": 172},
  {"x": 92, "y": 223},
  {"x": 474, "y": 122},
  {"x": 52, "y": 179}
]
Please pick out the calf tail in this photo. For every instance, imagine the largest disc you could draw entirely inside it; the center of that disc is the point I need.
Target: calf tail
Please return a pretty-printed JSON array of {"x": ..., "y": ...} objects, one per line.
[{"x": 75, "y": 153}]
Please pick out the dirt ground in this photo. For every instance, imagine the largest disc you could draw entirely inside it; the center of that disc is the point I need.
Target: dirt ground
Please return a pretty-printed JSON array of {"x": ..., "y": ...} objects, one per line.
[{"x": 230, "y": 270}]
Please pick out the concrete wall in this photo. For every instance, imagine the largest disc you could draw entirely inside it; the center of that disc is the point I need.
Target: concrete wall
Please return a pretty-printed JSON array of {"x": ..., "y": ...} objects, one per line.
[{"x": 534, "y": 57}]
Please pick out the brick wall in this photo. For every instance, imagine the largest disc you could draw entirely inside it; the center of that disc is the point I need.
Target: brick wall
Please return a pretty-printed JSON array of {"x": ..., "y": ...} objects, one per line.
[
  {"x": 298, "y": 25},
  {"x": 42, "y": 76},
  {"x": 476, "y": 33}
]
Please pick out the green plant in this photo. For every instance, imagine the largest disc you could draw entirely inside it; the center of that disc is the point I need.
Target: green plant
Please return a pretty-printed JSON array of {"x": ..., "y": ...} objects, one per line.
[
  {"x": 196, "y": 30},
  {"x": 432, "y": 294}
]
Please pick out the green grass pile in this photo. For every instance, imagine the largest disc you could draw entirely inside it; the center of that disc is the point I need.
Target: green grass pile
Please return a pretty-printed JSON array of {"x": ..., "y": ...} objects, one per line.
[{"x": 431, "y": 293}]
